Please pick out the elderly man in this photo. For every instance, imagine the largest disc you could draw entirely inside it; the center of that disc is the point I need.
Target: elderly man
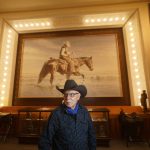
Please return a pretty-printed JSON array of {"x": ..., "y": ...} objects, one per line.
[{"x": 69, "y": 126}]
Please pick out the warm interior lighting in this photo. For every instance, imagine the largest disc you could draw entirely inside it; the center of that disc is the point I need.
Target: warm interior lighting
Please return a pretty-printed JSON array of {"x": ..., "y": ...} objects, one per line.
[{"x": 32, "y": 24}]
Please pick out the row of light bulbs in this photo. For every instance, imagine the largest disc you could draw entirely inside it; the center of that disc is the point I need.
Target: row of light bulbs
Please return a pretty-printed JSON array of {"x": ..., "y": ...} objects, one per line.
[
  {"x": 5, "y": 68},
  {"x": 135, "y": 63},
  {"x": 32, "y": 24},
  {"x": 105, "y": 19}
]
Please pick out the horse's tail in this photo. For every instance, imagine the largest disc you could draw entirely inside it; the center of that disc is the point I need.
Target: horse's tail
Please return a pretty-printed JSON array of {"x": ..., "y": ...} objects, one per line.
[{"x": 44, "y": 71}]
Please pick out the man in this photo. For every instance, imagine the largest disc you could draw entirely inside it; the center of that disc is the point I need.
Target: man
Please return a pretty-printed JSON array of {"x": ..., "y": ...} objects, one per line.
[
  {"x": 66, "y": 55},
  {"x": 69, "y": 126}
]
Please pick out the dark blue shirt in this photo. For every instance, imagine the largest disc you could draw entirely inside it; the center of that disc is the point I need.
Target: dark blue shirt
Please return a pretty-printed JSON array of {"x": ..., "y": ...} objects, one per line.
[{"x": 68, "y": 132}]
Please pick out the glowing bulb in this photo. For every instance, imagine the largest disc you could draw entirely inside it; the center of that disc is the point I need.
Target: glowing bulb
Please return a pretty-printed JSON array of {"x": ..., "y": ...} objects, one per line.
[
  {"x": 131, "y": 34},
  {"x": 135, "y": 64},
  {"x": 132, "y": 40},
  {"x": 105, "y": 19},
  {"x": 9, "y": 31},
  {"x": 7, "y": 51},
  {"x": 138, "y": 83},
  {"x": 37, "y": 24},
  {"x": 2, "y": 104},
  {"x": 123, "y": 18},
  {"x": 130, "y": 23},
  {"x": 4, "y": 79},
  {"x": 136, "y": 70},
  {"x": 26, "y": 25},
  {"x": 31, "y": 24},
  {"x": 92, "y": 20},
  {"x": 2, "y": 92},
  {"x": 48, "y": 23},
  {"x": 134, "y": 58},
  {"x": 98, "y": 20},
  {"x": 137, "y": 76},
  {"x": 2, "y": 98},
  {"x": 133, "y": 51},
  {"x": 43, "y": 24},
  {"x": 110, "y": 19},
  {"x": 3, "y": 86},
  {"x": 20, "y": 25},
  {"x": 117, "y": 18},
  {"x": 16, "y": 26}
]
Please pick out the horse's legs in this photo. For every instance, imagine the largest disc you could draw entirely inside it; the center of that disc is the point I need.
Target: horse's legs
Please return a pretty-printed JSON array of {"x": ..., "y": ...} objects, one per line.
[{"x": 51, "y": 78}]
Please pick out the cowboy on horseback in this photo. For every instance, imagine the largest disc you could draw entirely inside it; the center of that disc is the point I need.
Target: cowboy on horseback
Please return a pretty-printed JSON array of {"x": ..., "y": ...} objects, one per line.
[{"x": 66, "y": 55}]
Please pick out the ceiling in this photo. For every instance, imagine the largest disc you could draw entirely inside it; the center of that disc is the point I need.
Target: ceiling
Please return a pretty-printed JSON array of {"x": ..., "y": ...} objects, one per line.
[{"x": 29, "y": 5}]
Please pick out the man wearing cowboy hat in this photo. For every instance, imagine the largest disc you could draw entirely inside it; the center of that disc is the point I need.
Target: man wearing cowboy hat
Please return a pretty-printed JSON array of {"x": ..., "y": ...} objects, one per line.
[{"x": 69, "y": 126}]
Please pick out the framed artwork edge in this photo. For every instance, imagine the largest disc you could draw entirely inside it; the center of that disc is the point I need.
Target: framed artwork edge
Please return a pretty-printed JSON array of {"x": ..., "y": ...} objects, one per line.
[{"x": 88, "y": 101}]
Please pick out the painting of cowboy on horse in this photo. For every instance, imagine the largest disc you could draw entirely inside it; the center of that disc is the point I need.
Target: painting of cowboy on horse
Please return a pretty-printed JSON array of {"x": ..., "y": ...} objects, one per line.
[{"x": 65, "y": 64}]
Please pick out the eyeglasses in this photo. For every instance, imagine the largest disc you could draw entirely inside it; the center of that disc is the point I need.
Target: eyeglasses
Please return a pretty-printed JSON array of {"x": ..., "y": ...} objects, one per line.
[{"x": 70, "y": 94}]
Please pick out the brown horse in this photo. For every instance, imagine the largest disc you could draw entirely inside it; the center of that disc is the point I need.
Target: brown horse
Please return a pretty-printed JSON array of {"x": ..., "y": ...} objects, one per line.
[{"x": 58, "y": 65}]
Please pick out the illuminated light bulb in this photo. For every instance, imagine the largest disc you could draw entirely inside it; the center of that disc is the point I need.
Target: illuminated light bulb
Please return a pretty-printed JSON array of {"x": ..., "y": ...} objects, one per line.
[
  {"x": 20, "y": 25},
  {"x": 48, "y": 23},
  {"x": 135, "y": 64},
  {"x": 123, "y": 18},
  {"x": 9, "y": 31},
  {"x": 92, "y": 20},
  {"x": 37, "y": 24},
  {"x": 110, "y": 19},
  {"x": 137, "y": 76},
  {"x": 105, "y": 19},
  {"x": 138, "y": 83},
  {"x": 4, "y": 80},
  {"x": 9, "y": 36},
  {"x": 130, "y": 28},
  {"x": 2, "y": 104},
  {"x": 136, "y": 70},
  {"x": 6, "y": 62},
  {"x": 26, "y": 25},
  {"x": 3, "y": 86},
  {"x": 2, "y": 92},
  {"x": 117, "y": 18},
  {"x": 8, "y": 41},
  {"x": 5, "y": 68},
  {"x": 16, "y": 26},
  {"x": 6, "y": 57},
  {"x": 31, "y": 24},
  {"x": 139, "y": 90},
  {"x": 133, "y": 51},
  {"x": 131, "y": 34},
  {"x": 98, "y": 20},
  {"x": 130, "y": 23},
  {"x": 8, "y": 46},
  {"x": 7, "y": 51},
  {"x": 132, "y": 40},
  {"x": 2, "y": 98},
  {"x": 134, "y": 57},
  {"x": 43, "y": 24},
  {"x": 133, "y": 45},
  {"x": 5, "y": 74}
]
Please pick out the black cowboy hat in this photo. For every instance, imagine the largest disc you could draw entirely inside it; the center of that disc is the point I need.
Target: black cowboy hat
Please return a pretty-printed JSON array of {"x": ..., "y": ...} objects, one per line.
[{"x": 72, "y": 85}]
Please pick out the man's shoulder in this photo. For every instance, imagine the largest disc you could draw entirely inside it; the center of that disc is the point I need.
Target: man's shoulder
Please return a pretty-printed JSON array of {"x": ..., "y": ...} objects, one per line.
[
  {"x": 83, "y": 108},
  {"x": 58, "y": 109}
]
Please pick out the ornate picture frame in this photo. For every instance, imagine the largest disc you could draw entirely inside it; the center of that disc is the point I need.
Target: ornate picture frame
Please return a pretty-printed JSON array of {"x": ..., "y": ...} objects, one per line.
[{"x": 103, "y": 69}]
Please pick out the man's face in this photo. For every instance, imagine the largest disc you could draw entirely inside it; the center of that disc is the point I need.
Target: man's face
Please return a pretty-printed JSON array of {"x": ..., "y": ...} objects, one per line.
[{"x": 71, "y": 97}]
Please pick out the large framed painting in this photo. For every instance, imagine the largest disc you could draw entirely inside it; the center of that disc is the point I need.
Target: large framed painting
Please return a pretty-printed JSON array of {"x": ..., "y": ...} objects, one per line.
[{"x": 98, "y": 58}]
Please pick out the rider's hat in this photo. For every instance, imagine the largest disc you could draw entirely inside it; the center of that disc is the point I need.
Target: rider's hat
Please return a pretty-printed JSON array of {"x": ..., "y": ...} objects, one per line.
[{"x": 67, "y": 43}]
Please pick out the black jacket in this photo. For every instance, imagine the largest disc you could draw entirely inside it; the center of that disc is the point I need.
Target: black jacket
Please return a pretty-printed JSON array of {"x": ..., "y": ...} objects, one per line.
[{"x": 68, "y": 132}]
